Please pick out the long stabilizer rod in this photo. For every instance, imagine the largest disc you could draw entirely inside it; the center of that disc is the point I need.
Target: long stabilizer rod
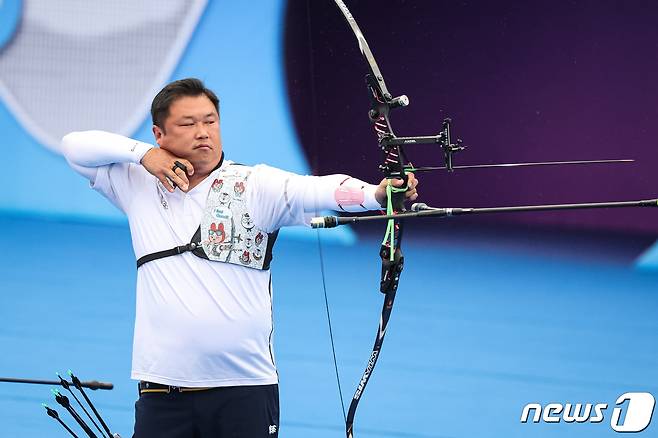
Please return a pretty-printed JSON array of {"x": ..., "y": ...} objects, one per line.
[
  {"x": 93, "y": 384},
  {"x": 422, "y": 210}
]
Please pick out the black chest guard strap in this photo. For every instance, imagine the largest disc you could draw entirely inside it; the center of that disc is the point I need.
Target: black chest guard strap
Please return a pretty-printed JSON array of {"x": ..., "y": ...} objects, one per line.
[{"x": 197, "y": 250}]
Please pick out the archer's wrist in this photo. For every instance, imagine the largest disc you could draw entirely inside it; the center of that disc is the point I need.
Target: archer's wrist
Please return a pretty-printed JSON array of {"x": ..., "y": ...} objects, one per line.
[{"x": 140, "y": 150}]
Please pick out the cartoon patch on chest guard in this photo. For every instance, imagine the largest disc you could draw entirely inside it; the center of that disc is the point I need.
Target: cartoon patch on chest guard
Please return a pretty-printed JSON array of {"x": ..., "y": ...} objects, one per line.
[
  {"x": 221, "y": 213},
  {"x": 245, "y": 259},
  {"x": 246, "y": 221},
  {"x": 258, "y": 254},
  {"x": 239, "y": 188},
  {"x": 248, "y": 241},
  {"x": 216, "y": 236},
  {"x": 224, "y": 198},
  {"x": 217, "y": 185}
]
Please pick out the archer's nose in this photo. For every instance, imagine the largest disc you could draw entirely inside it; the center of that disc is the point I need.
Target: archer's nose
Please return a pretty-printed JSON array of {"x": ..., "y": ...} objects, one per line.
[{"x": 202, "y": 131}]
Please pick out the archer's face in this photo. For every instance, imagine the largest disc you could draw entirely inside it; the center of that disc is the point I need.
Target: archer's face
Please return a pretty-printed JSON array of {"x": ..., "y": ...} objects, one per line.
[{"x": 192, "y": 132}]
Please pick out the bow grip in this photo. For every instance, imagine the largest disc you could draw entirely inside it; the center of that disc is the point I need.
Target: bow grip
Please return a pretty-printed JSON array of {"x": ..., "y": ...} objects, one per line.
[{"x": 398, "y": 194}]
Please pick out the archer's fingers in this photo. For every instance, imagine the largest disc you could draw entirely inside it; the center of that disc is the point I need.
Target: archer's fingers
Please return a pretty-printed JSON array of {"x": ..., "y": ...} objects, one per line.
[
  {"x": 188, "y": 165},
  {"x": 397, "y": 182},
  {"x": 412, "y": 182},
  {"x": 411, "y": 191},
  {"x": 182, "y": 175},
  {"x": 411, "y": 195},
  {"x": 176, "y": 179},
  {"x": 166, "y": 182}
]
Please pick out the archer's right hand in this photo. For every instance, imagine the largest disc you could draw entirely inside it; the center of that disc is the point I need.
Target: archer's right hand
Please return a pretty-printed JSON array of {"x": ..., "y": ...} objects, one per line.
[{"x": 160, "y": 163}]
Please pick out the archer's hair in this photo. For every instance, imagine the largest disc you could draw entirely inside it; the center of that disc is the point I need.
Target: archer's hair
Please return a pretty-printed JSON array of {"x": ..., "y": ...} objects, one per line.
[{"x": 172, "y": 91}]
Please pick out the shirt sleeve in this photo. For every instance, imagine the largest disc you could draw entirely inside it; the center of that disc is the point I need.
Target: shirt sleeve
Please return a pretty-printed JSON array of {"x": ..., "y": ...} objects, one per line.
[
  {"x": 277, "y": 198},
  {"x": 116, "y": 182},
  {"x": 109, "y": 161}
]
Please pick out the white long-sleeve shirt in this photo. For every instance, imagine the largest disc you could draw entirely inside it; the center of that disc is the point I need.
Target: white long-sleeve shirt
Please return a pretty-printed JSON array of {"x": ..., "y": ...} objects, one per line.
[{"x": 200, "y": 323}]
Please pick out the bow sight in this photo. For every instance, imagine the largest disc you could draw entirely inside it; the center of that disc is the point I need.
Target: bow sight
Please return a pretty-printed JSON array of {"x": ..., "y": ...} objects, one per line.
[{"x": 395, "y": 163}]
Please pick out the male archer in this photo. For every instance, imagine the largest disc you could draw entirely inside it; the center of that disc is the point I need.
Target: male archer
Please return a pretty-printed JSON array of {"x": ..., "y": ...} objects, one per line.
[{"x": 203, "y": 229}]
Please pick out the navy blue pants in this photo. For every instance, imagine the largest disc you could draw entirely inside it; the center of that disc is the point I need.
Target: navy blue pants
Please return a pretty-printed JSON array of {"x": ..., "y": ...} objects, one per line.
[{"x": 230, "y": 412}]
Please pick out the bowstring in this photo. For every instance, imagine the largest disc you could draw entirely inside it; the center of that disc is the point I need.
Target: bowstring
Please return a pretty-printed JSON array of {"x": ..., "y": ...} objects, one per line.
[
  {"x": 331, "y": 332},
  {"x": 317, "y": 212}
]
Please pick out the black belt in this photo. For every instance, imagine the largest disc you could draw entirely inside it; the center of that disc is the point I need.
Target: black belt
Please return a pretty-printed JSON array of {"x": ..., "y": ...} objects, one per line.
[{"x": 150, "y": 387}]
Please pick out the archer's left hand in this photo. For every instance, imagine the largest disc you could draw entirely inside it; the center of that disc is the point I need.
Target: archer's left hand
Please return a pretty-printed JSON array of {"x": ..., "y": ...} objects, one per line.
[{"x": 410, "y": 195}]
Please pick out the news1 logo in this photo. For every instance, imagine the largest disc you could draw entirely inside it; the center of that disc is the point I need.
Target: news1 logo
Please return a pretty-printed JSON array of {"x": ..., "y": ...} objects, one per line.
[{"x": 635, "y": 416}]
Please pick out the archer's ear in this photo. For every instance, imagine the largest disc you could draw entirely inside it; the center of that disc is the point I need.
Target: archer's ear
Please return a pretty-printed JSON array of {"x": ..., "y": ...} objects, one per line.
[{"x": 158, "y": 134}]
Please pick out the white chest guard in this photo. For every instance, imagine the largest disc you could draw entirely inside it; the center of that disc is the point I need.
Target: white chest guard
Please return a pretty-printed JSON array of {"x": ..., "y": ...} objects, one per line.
[{"x": 227, "y": 234}]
